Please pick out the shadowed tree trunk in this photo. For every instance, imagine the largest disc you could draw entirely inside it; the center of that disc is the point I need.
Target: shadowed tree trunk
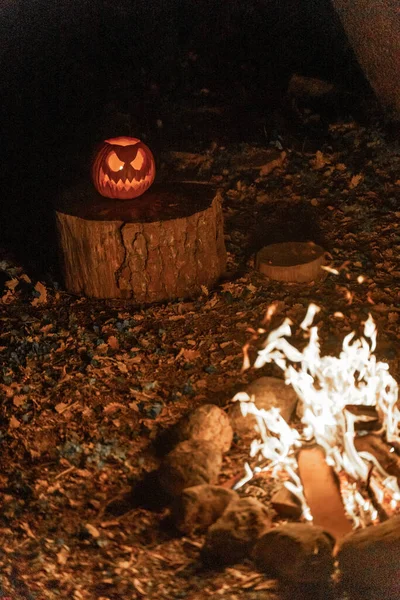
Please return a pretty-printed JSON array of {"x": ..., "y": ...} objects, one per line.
[{"x": 373, "y": 29}]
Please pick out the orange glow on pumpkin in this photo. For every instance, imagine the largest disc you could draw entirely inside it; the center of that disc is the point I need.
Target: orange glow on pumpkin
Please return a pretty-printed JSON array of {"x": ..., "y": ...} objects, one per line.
[{"x": 123, "y": 168}]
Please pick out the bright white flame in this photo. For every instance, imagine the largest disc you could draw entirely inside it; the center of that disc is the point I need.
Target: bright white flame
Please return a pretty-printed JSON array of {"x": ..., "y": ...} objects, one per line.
[
  {"x": 312, "y": 310},
  {"x": 326, "y": 385}
]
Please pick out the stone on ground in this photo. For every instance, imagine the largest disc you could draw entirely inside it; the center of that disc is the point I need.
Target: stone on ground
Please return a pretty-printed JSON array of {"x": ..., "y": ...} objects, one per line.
[
  {"x": 191, "y": 463},
  {"x": 200, "y": 506},
  {"x": 268, "y": 392},
  {"x": 233, "y": 536},
  {"x": 295, "y": 552}
]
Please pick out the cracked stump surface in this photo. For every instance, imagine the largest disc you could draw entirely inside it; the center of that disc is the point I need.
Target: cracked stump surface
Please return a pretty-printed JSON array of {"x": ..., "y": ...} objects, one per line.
[{"x": 166, "y": 244}]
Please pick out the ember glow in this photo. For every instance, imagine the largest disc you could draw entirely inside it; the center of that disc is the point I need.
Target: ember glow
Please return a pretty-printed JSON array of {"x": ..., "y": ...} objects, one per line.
[{"x": 328, "y": 388}]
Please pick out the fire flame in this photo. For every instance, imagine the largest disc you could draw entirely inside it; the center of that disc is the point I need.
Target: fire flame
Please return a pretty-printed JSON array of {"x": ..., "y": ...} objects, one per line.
[{"x": 326, "y": 386}]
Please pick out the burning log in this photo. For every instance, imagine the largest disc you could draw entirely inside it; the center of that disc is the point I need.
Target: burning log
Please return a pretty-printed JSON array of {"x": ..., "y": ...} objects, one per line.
[
  {"x": 322, "y": 492},
  {"x": 366, "y": 417},
  {"x": 384, "y": 474},
  {"x": 340, "y": 397},
  {"x": 286, "y": 504},
  {"x": 388, "y": 459},
  {"x": 369, "y": 560}
]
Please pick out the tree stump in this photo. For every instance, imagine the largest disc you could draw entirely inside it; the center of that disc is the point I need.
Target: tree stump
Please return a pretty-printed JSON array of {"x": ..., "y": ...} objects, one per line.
[{"x": 166, "y": 244}]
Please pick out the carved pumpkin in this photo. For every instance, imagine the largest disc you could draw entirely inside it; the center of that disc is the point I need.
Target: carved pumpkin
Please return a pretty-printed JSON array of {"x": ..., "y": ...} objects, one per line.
[{"x": 123, "y": 168}]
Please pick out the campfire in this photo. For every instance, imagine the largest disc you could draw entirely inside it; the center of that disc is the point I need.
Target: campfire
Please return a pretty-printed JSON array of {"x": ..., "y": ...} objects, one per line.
[
  {"x": 333, "y": 518},
  {"x": 349, "y": 428}
]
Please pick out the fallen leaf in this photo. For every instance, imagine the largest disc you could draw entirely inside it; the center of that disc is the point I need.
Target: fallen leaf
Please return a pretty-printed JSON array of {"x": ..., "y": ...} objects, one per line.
[
  {"x": 19, "y": 400},
  {"x": 62, "y": 556},
  {"x": 83, "y": 472},
  {"x": 25, "y": 527},
  {"x": 42, "y": 299},
  {"x": 112, "y": 523},
  {"x": 138, "y": 587},
  {"x": 102, "y": 348},
  {"x": 274, "y": 164},
  {"x": 354, "y": 181},
  {"x": 263, "y": 198},
  {"x": 7, "y": 298},
  {"x": 135, "y": 360},
  {"x": 225, "y": 344},
  {"x": 113, "y": 342},
  {"x": 11, "y": 284},
  {"x": 124, "y": 564},
  {"x": 122, "y": 367},
  {"x": 211, "y": 303},
  {"x": 188, "y": 354},
  {"x": 112, "y": 407},
  {"x": 319, "y": 161},
  {"x": 14, "y": 423},
  {"x": 270, "y": 584},
  {"x": 201, "y": 383},
  {"x": 94, "y": 532}
]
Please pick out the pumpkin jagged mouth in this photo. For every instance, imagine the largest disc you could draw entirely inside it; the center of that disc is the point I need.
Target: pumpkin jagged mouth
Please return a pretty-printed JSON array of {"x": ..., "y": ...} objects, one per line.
[{"x": 126, "y": 184}]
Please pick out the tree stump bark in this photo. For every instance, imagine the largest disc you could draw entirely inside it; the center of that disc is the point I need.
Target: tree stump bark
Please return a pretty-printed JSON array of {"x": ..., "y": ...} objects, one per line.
[{"x": 166, "y": 244}]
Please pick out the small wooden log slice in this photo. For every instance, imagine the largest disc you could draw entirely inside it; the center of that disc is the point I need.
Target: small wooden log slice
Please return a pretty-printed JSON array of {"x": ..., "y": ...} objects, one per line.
[
  {"x": 166, "y": 244},
  {"x": 297, "y": 262}
]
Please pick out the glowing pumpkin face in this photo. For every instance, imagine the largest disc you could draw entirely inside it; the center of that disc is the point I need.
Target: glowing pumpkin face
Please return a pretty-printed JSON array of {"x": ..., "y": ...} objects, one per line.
[{"x": 123, "y": 168}]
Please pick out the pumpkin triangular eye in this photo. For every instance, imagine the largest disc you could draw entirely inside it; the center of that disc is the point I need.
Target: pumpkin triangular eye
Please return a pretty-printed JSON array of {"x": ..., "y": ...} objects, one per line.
[
  {"x": 138, "y": 161},
  {"x": 114, "y": 163}
]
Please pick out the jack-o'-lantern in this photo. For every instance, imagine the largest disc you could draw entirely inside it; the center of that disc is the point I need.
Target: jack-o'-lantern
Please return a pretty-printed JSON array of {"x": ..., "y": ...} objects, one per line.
[{"x": 123, "y": 168}]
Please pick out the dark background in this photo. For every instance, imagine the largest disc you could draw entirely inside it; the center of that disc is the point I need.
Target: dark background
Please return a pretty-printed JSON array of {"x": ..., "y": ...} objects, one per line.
[{"x": 73, "y": 73}]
